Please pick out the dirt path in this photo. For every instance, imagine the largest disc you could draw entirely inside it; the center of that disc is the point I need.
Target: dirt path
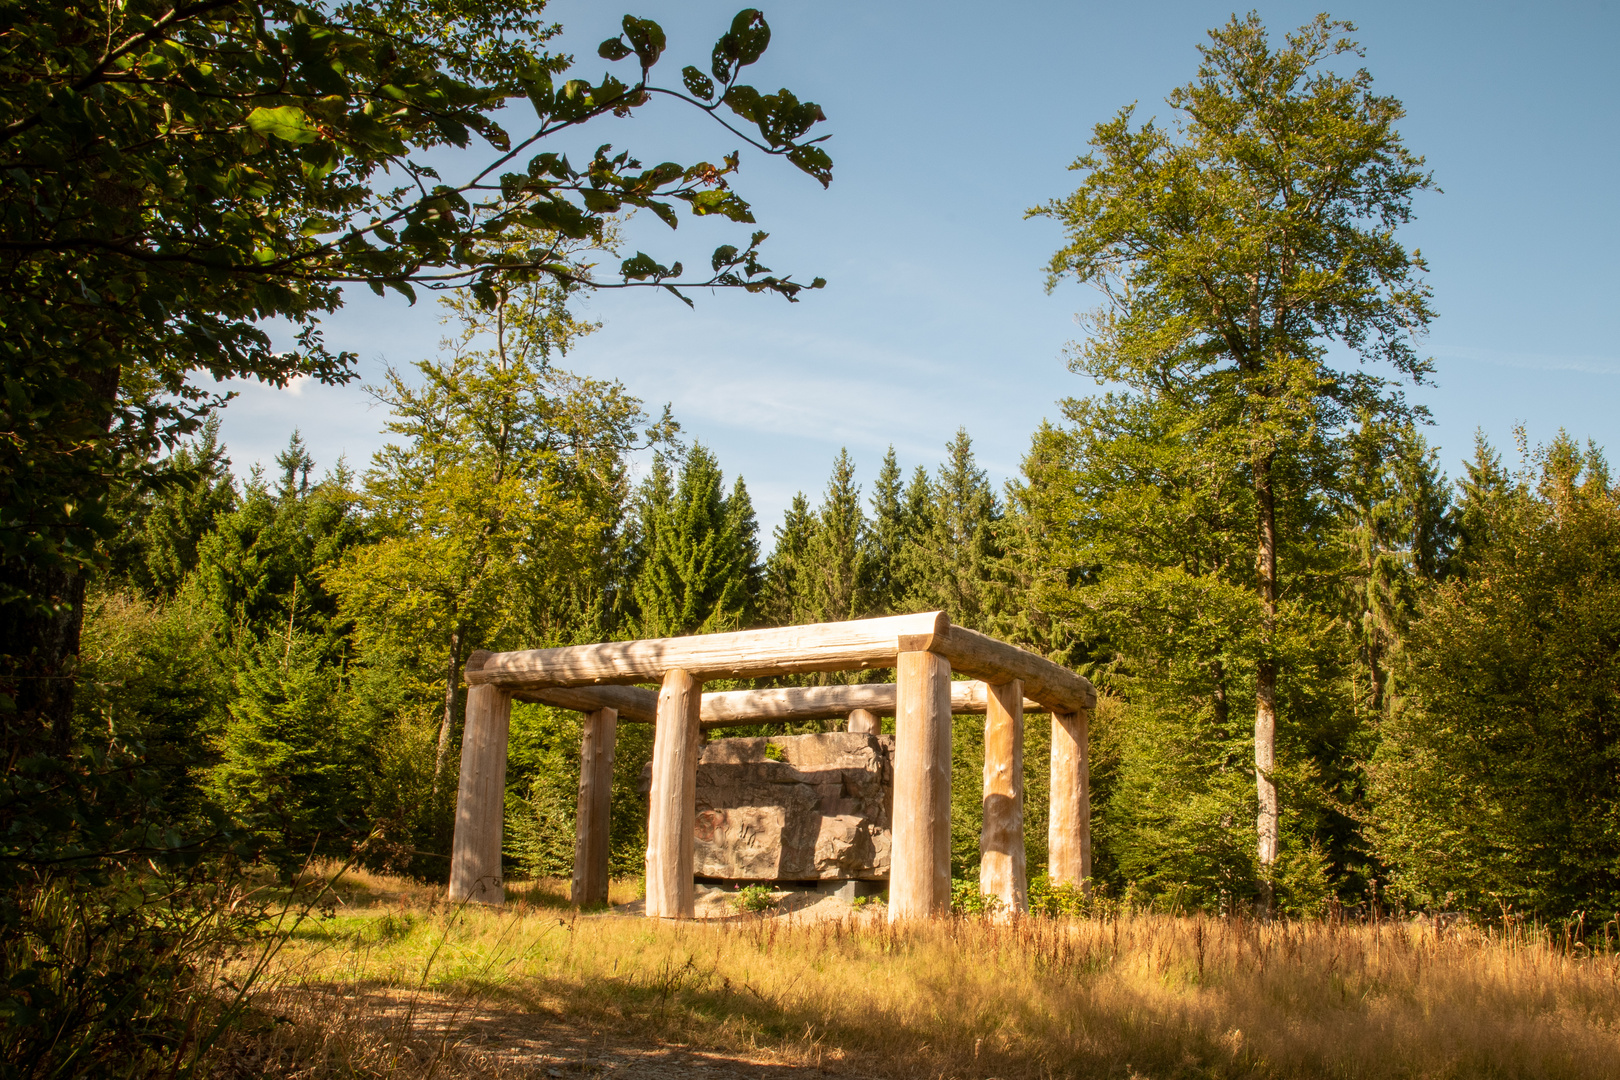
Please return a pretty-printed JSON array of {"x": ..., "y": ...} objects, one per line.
[{"x": 508, "y": 1039}]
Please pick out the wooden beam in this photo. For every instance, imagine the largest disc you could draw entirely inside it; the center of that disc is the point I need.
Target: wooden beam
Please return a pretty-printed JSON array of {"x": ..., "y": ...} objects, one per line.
[
  {"x": 863, "y": 722},
  {"x": 920, "y": 872},
  {"x": 1068, "y": 834},
  {"x": 842, "y": 646},
  {"x": 972, "y": 653},
  {"x": 672, "y": 813},
  {"x": 591, "y": 822},
  {"x": 635, "y": 704},
  {"x": 1002, "y": 871},
  {"x": 731, "y": 708},
  {"x": 475, "y": 852}
]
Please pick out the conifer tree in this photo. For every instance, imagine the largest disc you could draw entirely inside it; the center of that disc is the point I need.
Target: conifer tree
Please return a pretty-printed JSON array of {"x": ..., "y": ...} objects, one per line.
[
  {"x": 836, "y": 578},
  {"x": 785, "y": 601},
  {"x": 890, "y": 534},
  {"x": 952, "y": 561},
  {"x": 1495, "y": 783},
  {"x": 699, "y": 570},
  {"x": 291, "y": 764},
  {"x": 191, "y": 490}
]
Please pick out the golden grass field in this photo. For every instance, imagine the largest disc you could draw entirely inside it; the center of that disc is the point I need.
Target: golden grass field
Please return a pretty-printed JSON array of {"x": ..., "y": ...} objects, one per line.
[{"x": 395, "y": 983}]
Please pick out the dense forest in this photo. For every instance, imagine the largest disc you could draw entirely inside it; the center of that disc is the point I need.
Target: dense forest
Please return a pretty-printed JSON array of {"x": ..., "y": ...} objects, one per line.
[{"x": 288, "y": 645}]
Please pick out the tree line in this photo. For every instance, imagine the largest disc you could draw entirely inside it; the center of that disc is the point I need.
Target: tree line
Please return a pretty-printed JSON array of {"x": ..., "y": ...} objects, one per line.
[{"x": 1330, "y": 676}]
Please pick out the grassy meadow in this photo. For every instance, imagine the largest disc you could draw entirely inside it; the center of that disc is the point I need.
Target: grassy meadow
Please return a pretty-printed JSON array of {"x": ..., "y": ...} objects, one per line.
[{"x": 364, "y": 990}]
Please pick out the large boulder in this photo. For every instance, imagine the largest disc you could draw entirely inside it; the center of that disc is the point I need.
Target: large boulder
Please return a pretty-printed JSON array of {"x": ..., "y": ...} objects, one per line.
[{"x": 795, "y": 808}]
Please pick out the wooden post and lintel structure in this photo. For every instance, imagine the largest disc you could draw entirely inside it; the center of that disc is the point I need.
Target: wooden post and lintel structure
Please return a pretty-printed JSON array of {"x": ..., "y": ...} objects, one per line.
[{"x": 923, "y": 649}]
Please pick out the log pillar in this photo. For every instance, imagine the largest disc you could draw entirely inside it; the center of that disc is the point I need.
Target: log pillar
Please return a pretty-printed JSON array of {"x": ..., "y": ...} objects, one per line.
[
  {"x": 475, "y": 854},
  {"x": 920, "y": 874},
  {"x": 864, "y": 722},
  {"x": 1068, "y": 837},
  {"x": 1002, "y": 871},
  {"x": 590, "y": 884},
  {"x": 672, "y": 815}
]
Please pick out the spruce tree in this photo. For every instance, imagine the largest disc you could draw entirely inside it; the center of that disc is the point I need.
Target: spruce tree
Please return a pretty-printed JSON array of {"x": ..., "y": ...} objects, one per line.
[
  {"x": 953, "y": 561},
  {"x": 785, "y": 600},
  {"x": 699, "y": 570},
  {"x": 890, "y": 533},
  {"x": 291, "y": 764},
  {"x": 836, "y": 578}
]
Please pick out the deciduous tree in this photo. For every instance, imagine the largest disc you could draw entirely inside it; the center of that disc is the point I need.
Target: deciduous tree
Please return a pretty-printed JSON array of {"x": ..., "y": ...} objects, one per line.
[{"x": 1231, "y": 247}]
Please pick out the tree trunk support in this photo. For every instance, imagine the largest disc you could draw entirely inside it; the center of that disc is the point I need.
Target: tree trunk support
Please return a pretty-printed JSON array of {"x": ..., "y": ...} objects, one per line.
[
  {"x": 590, "y": 884},
  {"x": 1002, "y": 871},
  {"x": 864, "y": 722},
  {"x": 475, "y": 857},
  {"x": 1068, "y": 834},
  {"x": 920, "y": 874},
  {"x": 672, "y": 815}
]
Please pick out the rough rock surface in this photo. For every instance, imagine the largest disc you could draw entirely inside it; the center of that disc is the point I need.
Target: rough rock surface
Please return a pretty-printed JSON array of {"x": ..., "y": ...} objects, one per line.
[{"x": 795, "y": 808}]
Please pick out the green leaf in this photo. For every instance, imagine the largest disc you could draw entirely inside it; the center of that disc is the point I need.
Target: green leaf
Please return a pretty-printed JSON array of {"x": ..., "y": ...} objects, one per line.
[
  {"x": 613, "y": 49},
  {"x": 646, "y": 37},
  {"x": 745, "y": 101},
  {"x": 697, "y": 84},
  {"x": 741, "y": 45},
  {"x": 286, "y": 122},
  {"x": 813, "y": 160}
]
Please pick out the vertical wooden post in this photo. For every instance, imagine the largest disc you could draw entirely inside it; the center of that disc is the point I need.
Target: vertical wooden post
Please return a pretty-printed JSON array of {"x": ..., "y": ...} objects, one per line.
[
  {"x": 920, "y": 874},
  {"x": 475, "y": 853},
  {"x": 1068, "y": 837},
  {"x": 590, "y": 884},
  {"x": 1002, "y": 871},
  {"x": 672, "y": 816},
  {"x": 864, "y": 722}
]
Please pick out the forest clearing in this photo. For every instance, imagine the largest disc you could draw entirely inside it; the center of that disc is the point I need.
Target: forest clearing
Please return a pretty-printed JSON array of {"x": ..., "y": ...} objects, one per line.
[
  {"x": 391, "y": 981},
  {"x": 613, "y": 762}
]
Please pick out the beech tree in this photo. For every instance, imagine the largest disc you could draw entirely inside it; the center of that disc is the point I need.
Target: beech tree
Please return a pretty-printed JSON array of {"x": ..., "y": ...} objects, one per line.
[
  {"x": 174, "y": 176},
  {"x": 1231, "y": 246}
]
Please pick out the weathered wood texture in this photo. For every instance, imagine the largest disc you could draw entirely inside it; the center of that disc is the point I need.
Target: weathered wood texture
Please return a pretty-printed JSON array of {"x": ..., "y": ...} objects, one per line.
[
  {"x": 672, "y": 814},
  {"x": 972, "y": 653},
  {"x": 842, "y": 646},
  {"x": 729, "y": 708},
  {"x": 920, "y": 875},
  {"x": 634, "y": 704},
  {"x": 1068, "y": 835},
  {"x": 591, "y": 821},
  {"x": 475, "y": 853},
  {"x": 1002, "y": 871},
  {"x": 863, "y": 722}
]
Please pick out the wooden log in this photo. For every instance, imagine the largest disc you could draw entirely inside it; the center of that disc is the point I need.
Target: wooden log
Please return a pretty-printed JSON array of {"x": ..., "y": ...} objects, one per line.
[
  {"x": 475, "y": 853},
  {"x": 864, "y": 722},
  {"x": 1055, "y": 687},
  {"x": 843, "y": 646},
  {"x": 1068, "y": 834},
  {"x": 634, "y": 704},
  {"x": 591, "y": 822},
  {"x": 920, "y": 873},
  {"x": 672, "y": 814},
  {"x": 1002, "y": 871},
  {"x": 731, "y": 708}
]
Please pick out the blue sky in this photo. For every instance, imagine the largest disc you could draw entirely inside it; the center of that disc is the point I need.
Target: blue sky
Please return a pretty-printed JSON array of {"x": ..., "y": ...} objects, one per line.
[{"x": 949, "y": 121}]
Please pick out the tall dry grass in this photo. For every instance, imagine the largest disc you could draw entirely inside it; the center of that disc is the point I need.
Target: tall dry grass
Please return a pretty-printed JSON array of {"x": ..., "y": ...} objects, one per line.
[{"x": 1132, "y": 996}]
